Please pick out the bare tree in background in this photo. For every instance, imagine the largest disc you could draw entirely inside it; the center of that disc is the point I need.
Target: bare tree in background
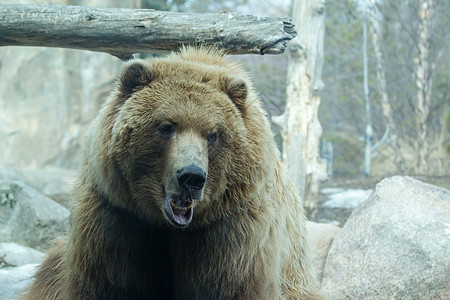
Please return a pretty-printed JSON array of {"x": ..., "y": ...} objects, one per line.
[
  {"x": 301, "y": 129},
  {"x": 423, "y": 80},
  {"x": 369, "y": 130},
  {"x": 375, "y": 31}
]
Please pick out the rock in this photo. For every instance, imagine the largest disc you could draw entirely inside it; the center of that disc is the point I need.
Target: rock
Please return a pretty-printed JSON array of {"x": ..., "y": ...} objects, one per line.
[
  {"x": 11, "y": 175},
  {"x": 321, "y": 236},
  {"x": 395, "y": 245},
  {"x": 53, "y": 182},
  {"x": 49, "y": 96},
  {"x": 28, "y": 217},
  {"x": 14, "y": 280},
  {"x": 21, "y": 265},
  {"x": 56, "y": 183},
  {"x": 12, "y": 254}
]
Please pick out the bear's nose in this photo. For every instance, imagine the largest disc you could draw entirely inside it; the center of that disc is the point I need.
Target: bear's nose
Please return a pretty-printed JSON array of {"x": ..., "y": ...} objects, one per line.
[{"x": 191, "y": 177}]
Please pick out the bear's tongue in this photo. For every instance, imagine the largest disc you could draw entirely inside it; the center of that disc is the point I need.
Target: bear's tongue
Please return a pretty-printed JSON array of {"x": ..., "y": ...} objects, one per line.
[{"x": 179, "y": 210}]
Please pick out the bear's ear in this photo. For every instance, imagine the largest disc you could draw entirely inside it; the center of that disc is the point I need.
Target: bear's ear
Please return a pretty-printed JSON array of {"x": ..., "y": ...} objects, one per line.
[
  {"x": 134, "y": 76},
  {"x": 236, "y": 89}
]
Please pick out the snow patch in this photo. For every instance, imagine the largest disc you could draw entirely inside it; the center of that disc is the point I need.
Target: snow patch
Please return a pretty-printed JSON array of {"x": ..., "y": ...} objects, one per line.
[
  {"x": 340, "y": 198},
  {"x": 332, "y": 190}
]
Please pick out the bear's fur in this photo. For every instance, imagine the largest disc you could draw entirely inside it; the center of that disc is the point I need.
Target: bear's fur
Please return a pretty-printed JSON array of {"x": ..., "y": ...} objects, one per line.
[{"x": 182, "y": 194}]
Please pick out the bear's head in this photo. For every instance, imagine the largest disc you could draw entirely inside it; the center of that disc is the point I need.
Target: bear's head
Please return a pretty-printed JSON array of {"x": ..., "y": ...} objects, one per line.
[{"x": 173, "y": 138}]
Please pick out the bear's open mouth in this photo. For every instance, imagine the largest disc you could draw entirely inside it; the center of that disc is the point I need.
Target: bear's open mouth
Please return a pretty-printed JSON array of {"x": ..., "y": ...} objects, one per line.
[{"x": 179, "y": 210}]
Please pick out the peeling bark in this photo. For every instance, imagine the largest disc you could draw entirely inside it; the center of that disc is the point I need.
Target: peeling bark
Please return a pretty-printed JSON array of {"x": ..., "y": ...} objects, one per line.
[{"x": 301, "y": 129}]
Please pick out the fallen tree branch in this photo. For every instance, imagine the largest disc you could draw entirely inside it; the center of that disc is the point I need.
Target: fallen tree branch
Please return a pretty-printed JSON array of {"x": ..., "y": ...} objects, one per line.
[{"x": 122, "y": 32}]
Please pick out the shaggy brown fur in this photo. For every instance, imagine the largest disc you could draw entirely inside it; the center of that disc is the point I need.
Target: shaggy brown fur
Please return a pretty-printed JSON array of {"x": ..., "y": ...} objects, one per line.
[{"x": 235, "y": 230}]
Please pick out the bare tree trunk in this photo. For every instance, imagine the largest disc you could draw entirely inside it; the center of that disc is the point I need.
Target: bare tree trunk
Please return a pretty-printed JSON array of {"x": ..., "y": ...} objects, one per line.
[
  {"x": 301, "y": 129},
  {"x": 444, "y": 139},
  {"x": 368, "y": 135},
  {"x": 423, "y": 84},
  {"x": 386, "y": 107}
]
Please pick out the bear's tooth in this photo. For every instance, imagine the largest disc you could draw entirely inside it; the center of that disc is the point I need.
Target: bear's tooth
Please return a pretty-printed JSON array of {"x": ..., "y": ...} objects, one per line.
[{"x": 174, "y": 206}]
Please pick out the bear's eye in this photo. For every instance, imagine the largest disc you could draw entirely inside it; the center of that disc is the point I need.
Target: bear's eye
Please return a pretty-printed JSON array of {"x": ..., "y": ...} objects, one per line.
[
  {"x": 212, "y": 138},
  {"x": 166, "y": 129}
]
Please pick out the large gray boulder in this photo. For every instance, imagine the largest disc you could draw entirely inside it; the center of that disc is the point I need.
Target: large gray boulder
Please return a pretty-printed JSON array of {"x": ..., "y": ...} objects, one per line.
[
  {"x": 28, "y": 217},
  {"x": 395, "y": 245}
]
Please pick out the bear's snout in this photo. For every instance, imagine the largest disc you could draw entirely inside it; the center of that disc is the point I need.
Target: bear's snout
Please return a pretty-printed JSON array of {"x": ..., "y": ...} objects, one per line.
[{"x": 191, "y": 178}]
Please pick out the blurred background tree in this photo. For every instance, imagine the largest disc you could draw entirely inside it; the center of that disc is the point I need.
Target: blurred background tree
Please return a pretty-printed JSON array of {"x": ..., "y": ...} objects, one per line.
[{"x": 341, "y": 112}]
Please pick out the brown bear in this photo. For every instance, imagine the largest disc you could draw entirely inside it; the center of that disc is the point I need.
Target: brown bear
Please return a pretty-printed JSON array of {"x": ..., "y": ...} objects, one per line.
[{"x": 181, "y": 194}]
